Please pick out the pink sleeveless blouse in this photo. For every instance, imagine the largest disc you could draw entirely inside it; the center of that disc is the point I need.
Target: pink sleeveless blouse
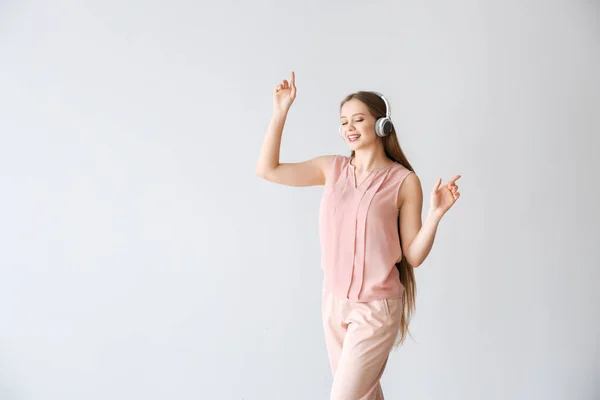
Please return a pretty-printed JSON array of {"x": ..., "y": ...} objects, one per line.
[{"x": 358, "y": 229}]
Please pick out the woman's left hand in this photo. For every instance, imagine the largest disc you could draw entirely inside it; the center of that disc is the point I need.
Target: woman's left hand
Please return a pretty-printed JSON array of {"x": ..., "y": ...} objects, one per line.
[{"x": 444, "y": 198}]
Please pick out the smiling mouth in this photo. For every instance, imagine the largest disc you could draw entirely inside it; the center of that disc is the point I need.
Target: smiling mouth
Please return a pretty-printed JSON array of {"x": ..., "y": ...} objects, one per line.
[{"x": 353, "y": 138}]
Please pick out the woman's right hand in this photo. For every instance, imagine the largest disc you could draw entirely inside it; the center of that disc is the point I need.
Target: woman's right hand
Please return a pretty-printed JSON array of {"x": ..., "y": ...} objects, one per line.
[{"x": 284, "y": 94}]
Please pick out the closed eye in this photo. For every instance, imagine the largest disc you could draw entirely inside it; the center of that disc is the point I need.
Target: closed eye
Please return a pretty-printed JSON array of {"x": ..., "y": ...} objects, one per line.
[{"x": 358, "y": 120}]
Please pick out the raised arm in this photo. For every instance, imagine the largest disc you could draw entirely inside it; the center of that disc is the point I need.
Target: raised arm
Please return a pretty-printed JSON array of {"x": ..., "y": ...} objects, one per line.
[{"x": 306, "y": 173}]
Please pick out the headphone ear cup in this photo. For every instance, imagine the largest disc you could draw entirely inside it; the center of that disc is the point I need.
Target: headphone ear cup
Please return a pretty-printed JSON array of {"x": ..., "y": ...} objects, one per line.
[
  {"x": 388, "y": 126},
  {"x": 378, "y": 127},
  {"x": 383, "y": 127}
]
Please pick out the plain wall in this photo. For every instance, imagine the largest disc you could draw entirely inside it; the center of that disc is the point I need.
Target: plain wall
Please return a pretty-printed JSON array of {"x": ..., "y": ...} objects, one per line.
[{"x": 141, "y": 258}]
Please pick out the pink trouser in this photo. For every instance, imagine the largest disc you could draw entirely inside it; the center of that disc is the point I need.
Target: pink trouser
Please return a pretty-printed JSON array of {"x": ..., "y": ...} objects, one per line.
[{"x": 359, "y": 338}]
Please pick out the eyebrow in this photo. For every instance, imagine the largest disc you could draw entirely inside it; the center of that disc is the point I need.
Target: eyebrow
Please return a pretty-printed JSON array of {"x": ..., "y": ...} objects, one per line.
[{"x": 353, "y": 115}]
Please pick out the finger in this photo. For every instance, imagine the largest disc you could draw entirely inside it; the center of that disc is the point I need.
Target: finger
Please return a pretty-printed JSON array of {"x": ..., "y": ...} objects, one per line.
[
  {"x": 293, "y": 83},
  {"x": 437, "y": 185},
  {"x": 285, "y": 84},
  {"x": 457, "y": 177}
]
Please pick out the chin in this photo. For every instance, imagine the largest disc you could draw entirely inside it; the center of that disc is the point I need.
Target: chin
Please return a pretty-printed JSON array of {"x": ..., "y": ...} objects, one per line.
[{"x": 356, "y": 146}]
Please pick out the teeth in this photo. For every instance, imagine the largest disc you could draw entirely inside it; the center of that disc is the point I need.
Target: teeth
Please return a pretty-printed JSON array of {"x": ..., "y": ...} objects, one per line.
[{"x": 353, "y": 136}]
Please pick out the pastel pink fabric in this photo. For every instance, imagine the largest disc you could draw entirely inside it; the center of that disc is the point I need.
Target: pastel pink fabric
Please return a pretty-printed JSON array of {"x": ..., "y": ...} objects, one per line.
[
  {"x": 358, "y": 229},
  {"x": 359, "y": 336}
]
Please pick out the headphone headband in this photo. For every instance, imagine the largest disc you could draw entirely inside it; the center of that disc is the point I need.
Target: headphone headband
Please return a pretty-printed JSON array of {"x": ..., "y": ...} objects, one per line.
[{"x": 388, "y": 111}]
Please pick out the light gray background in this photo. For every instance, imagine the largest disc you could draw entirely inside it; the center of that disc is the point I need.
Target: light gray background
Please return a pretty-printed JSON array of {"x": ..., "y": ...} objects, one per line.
[{"x": 142, "y": 259}]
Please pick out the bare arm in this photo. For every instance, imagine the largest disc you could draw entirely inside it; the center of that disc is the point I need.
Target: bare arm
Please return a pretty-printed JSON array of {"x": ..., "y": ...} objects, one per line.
[
  {"x": 307, "y": 173},
  {"x": 418, "y": 237}
]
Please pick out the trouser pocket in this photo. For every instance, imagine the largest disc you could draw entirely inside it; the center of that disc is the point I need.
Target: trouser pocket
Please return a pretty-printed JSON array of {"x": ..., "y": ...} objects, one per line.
[{"x": 386, "y": 307}]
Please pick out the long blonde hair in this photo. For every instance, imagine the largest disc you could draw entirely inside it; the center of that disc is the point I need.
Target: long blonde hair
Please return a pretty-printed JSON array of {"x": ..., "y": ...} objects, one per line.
[{"x": 393, "y": 151}]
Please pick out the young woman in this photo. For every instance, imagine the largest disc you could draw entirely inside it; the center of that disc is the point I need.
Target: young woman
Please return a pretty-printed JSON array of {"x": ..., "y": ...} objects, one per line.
[{"x": 371, "y": 232}]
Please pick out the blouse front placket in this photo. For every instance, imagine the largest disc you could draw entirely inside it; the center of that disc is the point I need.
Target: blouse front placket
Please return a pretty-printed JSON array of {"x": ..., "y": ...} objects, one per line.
[{"x": 361, "y": 198}]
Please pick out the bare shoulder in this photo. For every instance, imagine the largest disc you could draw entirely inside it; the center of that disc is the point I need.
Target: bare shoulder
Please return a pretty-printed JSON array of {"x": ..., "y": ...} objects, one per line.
[
  {"x": 324, "y": 161},
  {"x": 411, "y": 190}
]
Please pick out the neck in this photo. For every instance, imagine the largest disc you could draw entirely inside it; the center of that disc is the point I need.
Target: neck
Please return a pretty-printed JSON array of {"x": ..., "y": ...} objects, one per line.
[{"x": 366, "y": 160}]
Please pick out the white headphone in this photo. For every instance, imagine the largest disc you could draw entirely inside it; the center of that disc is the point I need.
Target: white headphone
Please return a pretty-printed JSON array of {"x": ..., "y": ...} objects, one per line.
[{"x": 384, "y": 125}]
